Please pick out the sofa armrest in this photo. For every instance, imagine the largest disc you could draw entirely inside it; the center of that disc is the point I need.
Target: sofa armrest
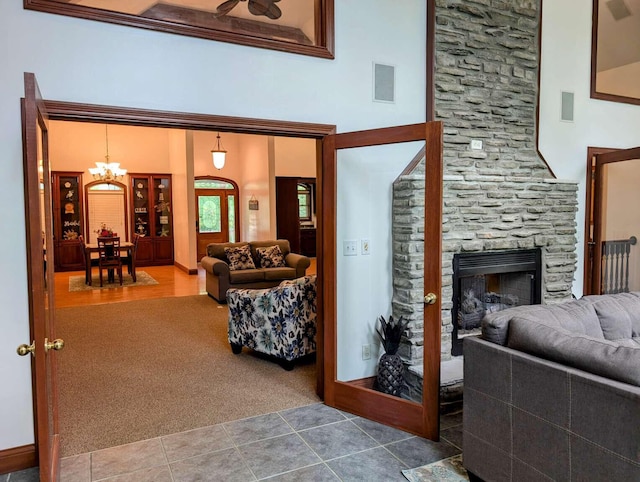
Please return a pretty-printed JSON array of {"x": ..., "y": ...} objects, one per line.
[
  {"x": 519, "y": 407},
  {"x": 299, "y": 262},
  {"x": 215, "y": 266}
]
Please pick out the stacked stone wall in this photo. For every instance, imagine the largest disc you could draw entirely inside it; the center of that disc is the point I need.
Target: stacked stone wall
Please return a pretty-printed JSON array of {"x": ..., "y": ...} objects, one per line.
[{"x": 502, "y": 196}]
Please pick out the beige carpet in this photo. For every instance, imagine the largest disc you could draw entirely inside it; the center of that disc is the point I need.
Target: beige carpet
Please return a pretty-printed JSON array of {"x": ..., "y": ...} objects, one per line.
[
  {"x": 140, "y": 369},
  {"x": 76, "y": 283}
]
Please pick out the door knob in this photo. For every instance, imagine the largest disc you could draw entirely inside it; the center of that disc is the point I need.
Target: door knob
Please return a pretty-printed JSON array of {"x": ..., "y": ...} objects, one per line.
[
  {"x": 26, "y": 349},
  {"x": 430, "y": 299},
  {"x": 57, "y": 344}
]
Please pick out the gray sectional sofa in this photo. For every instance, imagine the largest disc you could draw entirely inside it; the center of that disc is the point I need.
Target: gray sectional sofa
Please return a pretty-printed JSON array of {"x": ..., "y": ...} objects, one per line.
[{"x": 552, "y": 392}]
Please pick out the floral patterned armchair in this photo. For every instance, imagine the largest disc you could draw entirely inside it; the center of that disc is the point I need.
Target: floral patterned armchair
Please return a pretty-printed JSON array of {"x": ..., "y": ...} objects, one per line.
[{"x": 278, "y": 321}]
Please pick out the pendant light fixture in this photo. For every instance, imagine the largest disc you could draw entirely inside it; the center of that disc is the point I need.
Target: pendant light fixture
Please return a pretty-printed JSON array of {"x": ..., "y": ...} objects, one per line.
[
  {"x": 218, "y": 155},
  {"x": 107, "y": 171}
]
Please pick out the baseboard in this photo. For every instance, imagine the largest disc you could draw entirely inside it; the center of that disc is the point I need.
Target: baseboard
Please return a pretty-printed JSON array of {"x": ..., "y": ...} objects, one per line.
[
  {"x": 185, "y": 269},
  {"x": 18, "y": 458}
]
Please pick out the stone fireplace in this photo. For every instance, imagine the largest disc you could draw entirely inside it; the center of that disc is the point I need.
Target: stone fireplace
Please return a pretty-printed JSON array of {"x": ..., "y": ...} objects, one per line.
[{"x": 497, "y": 198}]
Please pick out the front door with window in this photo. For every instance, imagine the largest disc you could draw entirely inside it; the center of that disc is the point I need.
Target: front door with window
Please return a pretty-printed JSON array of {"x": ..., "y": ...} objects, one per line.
[{"x": 216, "y": 213}]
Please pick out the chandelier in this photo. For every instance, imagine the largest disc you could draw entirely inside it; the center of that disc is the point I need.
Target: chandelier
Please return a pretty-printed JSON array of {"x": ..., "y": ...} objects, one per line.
[{"x": 107, "y": 171}]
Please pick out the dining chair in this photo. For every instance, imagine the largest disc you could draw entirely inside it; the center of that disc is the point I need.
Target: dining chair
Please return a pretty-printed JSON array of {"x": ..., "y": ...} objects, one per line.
[
  {"x": 130, "y": 258},
  {"x": 109, "y": 257}
]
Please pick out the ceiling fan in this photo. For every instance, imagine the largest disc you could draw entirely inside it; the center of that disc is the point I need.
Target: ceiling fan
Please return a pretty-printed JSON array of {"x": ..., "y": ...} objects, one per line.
[{"x": 268, "y": 8}]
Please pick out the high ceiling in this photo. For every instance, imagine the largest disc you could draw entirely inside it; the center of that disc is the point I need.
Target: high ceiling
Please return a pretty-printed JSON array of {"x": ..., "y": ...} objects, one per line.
[
  {"x": 295, "y": 13},
  {"x": 618, "y": 39}
]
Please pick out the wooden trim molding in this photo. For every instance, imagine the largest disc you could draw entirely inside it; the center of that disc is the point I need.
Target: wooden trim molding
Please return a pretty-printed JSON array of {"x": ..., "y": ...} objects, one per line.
[
  {"x": 182, "y": 267},
  {"x": 594, "y": 65},
  {"x": 70, "y": 111},
  {"x": 253, "y": 34},
  {"x": 18, "y": 458}
]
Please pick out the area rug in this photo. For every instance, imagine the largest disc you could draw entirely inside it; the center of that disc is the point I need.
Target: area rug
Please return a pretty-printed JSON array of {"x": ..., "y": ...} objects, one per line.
[
  {"x": 76, "y": 283},
  {"x": 136, "y": 370},
  {"x": 446, "y": 470}
]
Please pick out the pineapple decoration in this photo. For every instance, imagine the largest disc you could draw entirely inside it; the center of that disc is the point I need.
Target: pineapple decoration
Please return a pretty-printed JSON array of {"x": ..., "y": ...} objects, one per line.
[{"x": 390, "y": 366}]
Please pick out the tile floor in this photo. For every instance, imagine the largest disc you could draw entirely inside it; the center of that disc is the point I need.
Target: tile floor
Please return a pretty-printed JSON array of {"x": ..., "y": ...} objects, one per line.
[{"x": 310, "y": 443}]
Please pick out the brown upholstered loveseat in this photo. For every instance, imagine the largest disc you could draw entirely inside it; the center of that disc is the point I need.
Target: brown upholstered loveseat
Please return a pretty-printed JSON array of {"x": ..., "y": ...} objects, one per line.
[{"x": 219, "y": 278}]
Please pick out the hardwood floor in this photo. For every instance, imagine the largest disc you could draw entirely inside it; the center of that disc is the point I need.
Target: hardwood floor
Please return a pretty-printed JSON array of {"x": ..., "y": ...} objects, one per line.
[{"x": 171, "y": 282}]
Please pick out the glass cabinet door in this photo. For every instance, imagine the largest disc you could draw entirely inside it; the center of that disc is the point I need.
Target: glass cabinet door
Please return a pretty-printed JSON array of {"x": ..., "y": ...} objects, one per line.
[
  {"x": 140, "y": 188},
  {"x": 162, "y": 206}
]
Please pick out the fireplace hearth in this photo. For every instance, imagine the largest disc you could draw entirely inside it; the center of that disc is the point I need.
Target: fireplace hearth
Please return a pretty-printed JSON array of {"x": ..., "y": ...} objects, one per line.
[{"x": 488, "y": 282}]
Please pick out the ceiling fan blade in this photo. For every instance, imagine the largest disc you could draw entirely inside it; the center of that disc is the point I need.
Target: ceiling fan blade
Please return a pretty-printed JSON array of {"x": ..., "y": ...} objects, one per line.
[
  {"x": 266, "y": 8},
  {"x": 225, "y": 7}
]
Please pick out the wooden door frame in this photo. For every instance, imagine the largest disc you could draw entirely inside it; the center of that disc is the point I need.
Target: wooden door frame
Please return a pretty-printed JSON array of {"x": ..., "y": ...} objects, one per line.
[
  {"x": 45, "y": 400},
  {"x": 589, "y": 226},
  {"x": 610, "y": 156},
  {"x": 236, "y": 191},
  {"x": 420, "y": 419},
  {"x": 77, "y": 112}
]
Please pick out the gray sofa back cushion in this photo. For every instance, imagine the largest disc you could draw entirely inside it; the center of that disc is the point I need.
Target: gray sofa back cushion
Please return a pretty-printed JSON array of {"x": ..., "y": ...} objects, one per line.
[
  {"x": 574, "y": 316},
  {"x": 545, "y": 338},
  {"x": 619, "y": 314}
]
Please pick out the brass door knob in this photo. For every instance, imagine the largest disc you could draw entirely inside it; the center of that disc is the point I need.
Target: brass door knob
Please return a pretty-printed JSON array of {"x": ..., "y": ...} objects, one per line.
[
  {"x": 57, "y": 344},
  {"x": 430, "y": 299},
  {"x": 24, "y": 350}
]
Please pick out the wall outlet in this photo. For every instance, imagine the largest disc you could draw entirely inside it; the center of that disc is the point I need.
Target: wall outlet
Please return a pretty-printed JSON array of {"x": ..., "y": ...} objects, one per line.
[
  {"x": 364, "y": 246},
  {"x": 366, "y": 352},
  {"x": 349, "y": 247},
  {"x": 476, "y": 144}
]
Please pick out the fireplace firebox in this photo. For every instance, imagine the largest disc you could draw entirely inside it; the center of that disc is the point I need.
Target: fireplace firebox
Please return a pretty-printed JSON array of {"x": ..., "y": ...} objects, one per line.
[{"x": 491, "y": 281}]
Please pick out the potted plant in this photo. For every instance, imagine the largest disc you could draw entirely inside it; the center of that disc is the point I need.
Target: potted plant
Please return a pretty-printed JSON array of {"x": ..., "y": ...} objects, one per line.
[{"x": 390, "y": 366}]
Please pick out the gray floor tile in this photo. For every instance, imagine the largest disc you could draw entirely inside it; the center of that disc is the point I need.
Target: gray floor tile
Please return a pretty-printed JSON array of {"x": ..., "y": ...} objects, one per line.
[
  {"x": 316, "y": 473},
  {"x": 347, "y": 414},
  {"x": 337, "y": 440},
  {"x": 417, "y": 451},
  {"x": 27, "y": 475},
  {"x": 311, "y": 416},
  {"x": 382, "y": 433},
  {"x": 196, "y": 442},
  {"x": 453, "y": 435},
  {"x": 257, "y": 428},
  {"x": 4, "y": 477},
  {"x": 224, "y": 465},
  {"x": 375, "y": 465},
  {"x": 127, "y": 458},
  {"x": 277, "y": 455},
  {"x": 154, "y": 474},
  {"x": 450, "y": 420},
  {"x": 76, "y": 468}
]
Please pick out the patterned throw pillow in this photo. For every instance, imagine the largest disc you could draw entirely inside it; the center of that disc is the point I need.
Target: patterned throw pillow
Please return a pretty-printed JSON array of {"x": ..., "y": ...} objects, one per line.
[
  {"x": 239, "y": 258},
  {"x": 271, "y": 257}
]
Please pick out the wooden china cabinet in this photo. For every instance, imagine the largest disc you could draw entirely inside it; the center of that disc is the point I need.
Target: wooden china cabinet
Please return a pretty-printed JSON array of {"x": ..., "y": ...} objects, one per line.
[
  {"x": 68, "y": 222},
  {"x": 151, "y": 218}
]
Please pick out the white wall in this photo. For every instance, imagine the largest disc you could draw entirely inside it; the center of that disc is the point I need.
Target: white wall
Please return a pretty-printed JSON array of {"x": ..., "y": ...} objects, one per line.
[
  {"x": 85, "y": 61},
  {"x": 566, "y": 66}
]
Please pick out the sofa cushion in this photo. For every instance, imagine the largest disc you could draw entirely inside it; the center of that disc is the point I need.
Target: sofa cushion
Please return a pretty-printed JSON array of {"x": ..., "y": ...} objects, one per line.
[
  {"x": 270, "y": 257},
  {"x": 545, "y": 338},
  {"x": 239, "y": 258},
  {"x": 283, "y": 244},
  {"x": 619, "y": 314},
  {"x": 576, "y": 316},
  {"x": 216, "y": 250},
  {"x": 246, "y": 276},
  {"x": 279, "y": 273}
]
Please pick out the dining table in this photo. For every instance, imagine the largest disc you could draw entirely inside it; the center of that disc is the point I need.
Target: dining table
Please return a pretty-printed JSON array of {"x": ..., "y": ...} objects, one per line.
[{"x": 125, "y": 246}]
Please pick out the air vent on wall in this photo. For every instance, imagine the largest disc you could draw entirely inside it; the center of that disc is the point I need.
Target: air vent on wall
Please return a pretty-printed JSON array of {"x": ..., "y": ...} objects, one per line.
[
  {"x": 618, "y": 9},
  {"x": 384, "y": 83}
]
